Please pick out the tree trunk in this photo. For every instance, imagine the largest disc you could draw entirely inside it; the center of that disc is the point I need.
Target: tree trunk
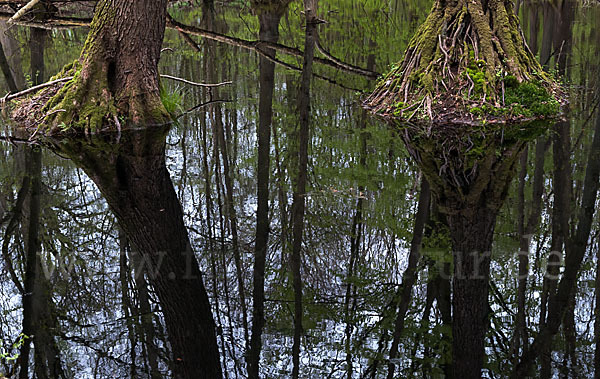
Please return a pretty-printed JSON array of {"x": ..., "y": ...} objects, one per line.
[{"x": 116, "y": 73}]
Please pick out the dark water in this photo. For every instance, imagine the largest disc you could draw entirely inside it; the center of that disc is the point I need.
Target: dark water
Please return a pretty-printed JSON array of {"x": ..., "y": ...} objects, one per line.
[{"x": 96, "y": 312}]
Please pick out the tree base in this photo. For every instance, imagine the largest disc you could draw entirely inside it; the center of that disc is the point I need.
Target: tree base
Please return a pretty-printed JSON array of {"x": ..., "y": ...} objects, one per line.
[
  {"x": 85, "y": 104},
  {"x": 468, "y": 64}
]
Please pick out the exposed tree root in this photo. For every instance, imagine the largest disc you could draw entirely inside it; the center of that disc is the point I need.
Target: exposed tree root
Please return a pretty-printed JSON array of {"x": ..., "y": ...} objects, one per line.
[
  {"x": 467, "y": 63},
  {"x": 114, "y": 82}
]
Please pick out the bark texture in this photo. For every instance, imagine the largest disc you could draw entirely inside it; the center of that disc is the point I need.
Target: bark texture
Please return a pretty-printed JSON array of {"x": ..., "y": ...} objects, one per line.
[{"x": 115, "y": 75}]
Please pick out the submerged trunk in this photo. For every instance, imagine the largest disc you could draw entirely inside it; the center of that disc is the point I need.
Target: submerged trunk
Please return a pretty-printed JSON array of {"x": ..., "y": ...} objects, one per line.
[
  {"x": 115, "y": 75},
  {"x": 468, "y": 62}
]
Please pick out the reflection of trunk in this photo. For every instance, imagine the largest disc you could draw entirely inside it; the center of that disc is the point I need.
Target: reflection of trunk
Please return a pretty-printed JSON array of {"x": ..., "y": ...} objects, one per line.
[
  {"x": 210, "y": 228},
  {"x": 569, "y": 365},
  {"x": 39, "y": 314},
  {"x": 557, "y": 35},
  {"x": 472, "y": 235},
  {"x": 299, "y": 196},
  {"x": 232, "y": 215},
  {"x": 222, "y": 162},
  {"x": 356, "y": 235},
  {"x": 597, "y": 318},
  {"x": 560, "y": 224},
  {"x": 127, "y": 301},
  {"x": 32, "y": 249},
  {"x": 145, "y": 325},
  {"x": 410, "y": 274},
  {"x": 470, "y": 191},
  {"x": 575, "y": 252},
  {"x": 133, "y": 177},
  {"x": 526, "y": 228},
  {"x": 269, "y": 31}
]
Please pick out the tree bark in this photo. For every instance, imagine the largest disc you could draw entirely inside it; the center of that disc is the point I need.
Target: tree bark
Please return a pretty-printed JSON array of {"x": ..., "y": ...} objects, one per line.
[
  {"x": 116, "y": 73},
  {"x": 457, "y": 53}
]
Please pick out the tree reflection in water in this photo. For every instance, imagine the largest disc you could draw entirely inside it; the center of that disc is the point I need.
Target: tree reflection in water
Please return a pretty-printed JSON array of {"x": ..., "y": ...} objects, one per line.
[{"x": 130, "y": 172}]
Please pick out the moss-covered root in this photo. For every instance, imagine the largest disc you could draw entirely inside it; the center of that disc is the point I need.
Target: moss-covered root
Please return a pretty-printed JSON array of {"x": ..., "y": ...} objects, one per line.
[
  {"x": 459, "y": 58},
  {"x": 87, "y": 104},
  {"x": 115, "y": 81}
]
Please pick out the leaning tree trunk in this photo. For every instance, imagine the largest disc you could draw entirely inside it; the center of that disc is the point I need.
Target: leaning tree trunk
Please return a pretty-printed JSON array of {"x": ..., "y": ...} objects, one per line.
[
  {"x": 115, "y": 79},
  {"x": 468, "y": 62}
]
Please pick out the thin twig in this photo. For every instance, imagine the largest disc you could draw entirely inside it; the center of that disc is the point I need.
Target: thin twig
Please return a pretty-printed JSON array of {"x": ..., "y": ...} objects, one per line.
[
  {"x": 194, "y": 83},
  {"x": 195, "y": 107}
]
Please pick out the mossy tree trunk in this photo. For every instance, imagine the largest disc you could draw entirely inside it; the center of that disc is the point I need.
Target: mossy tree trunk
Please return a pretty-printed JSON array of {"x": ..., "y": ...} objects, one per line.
[
  {"x": 467, "y": 53},
  {"x": 116, "y": 74}
]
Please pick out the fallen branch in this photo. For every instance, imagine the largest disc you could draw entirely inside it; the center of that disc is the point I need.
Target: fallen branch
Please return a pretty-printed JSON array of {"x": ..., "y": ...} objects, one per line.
[
  {"x": 57, "y": 22},
  {"x": 50, "y": 23},
  {"x": 13, "y": 96},
  {"x": 257, "y": 45},
  {"x": 23, "y": 10},
  {"x": 194, "y": 83}
]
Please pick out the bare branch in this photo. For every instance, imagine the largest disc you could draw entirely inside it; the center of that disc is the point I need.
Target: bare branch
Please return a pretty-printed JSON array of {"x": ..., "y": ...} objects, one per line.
[{"x": 194, "y": 83}]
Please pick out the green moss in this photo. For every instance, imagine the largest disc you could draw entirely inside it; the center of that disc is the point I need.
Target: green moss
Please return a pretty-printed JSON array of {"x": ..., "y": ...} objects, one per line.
[{"x": 530, "y": 99}]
